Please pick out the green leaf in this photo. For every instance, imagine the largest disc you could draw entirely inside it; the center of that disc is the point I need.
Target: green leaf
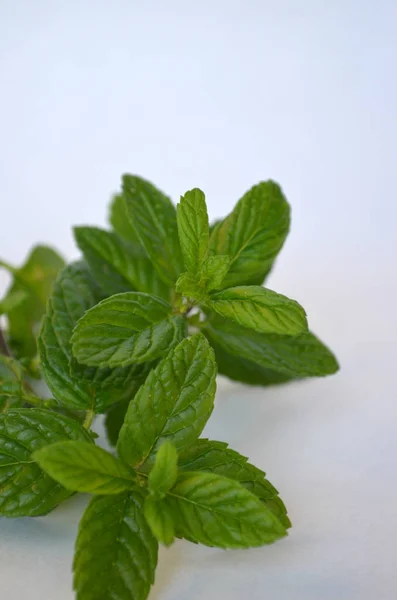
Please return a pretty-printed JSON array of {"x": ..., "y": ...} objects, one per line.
[
  {"x": 175, "y": 402},
  {"x": 34, "y": 279},
  {"x": 160, "y": 519},
  {"x": 118, "y": 218},
  {"x": 116, "y": 553},
  {"x": 165, "y": 470},
  {"x": 25, "y": 490},
  {"x": 12, "y": 301},
  {"x": 126, "y": 328},
  {"x": 11, "y": 383},
  {"x": 216, "y": 457},
  {"x": 114, "y": 420},
  {"x": 294, "y": 357},
  {"x": 261, "y": 309},
  {"x": 217, "y": 511},
  {"x": 188, "y": 286},
  {"x": 253, "y": 234},
  {"x": 214, "y": 271},
  {"x": 114, "y": 263},
  {"x": 73, "y": 385},
  {"x": 193, "y": 229},
  {"x": 82, "y": 467},
  {"x": 153, "y": 218}
]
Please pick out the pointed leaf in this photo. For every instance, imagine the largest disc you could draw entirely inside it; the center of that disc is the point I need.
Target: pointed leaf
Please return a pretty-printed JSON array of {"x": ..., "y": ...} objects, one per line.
[
  {"x": 193, "y": 229},
  {"x": 126, "y": 328},
  {"x": 253, "y": 234},
  {"x": 153, "y": 218},
  {"x": 260, "y": 309},
  {"x": 118, "y": 218},
  {"x": 160, "y": 519},
  {"x": 165, "y": 470},
  {"x": 216, "y": 457},
  {"x": 214, "y": 271},
  {"x": 25, "y": 490},
  {"x": 175, "y": 402},
  {"x": 116, "y": 553},
  {"x": 216, "y": 511},
  {"x": 82, "y": 467},
  {"x": 11, "y": 383}
]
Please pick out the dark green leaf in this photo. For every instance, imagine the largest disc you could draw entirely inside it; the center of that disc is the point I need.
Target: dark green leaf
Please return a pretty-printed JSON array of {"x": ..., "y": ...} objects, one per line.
[
  {"x": 193, "y": 229},
  {"x": 82, "y": 467},
  {"x": 214, "y": 271},
  {"x": 116, "y": 553},
  {"x": 25, "y": 490},
  {"x": 294, "y": 357},
  {"x": 165, "y": 470},
  {"x": 126, "y": 328},
  {"x": 114, "y": 420},
  {"x": 160, "y": 519},
  {"x": 253, "y": 234},
  {"x": 216, "y": 457},
  {"x": 217, "y": 511},
  {"x": 153, "y": 218},
  {"x": 11, "y": 383},
  {"x": 73, "y": 385},
  {"x": 175, "y": 402},
  {"x": 261, "y": 309}
]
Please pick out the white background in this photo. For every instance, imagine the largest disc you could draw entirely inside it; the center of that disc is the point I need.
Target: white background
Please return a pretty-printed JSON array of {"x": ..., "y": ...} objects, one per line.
[{"x": 222, "y": 94}]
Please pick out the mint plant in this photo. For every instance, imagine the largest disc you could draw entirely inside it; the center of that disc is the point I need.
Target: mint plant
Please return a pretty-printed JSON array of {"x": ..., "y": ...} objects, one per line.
[{"x": 137, "y": 331}]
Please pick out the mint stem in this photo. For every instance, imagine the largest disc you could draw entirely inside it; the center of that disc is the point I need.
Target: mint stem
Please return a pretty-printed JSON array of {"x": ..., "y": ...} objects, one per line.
[{"x": 4, "y": 349}]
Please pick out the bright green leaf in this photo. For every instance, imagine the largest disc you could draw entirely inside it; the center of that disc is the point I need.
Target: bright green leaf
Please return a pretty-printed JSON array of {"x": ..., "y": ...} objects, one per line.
[
  {"x": 216, "y": 511},
  {"x": 294, "y": 357},
  {"x": 11, "y": 383},
  {"x": 82, "y": 467},
  {"x": 214, "y": 271},
  {"x": 261, "y": 309},
  {"x": 118, "y": 218},
  {"x": 153, "y": 218},
  {"x": 126, "y": 328},
  {"x": 25, "y": 490},
  {"x": 188, "y": 286},
  {"x": 216, "y": 457},
  {"x": 193, "y": 229},
  {"x": 253, "y": 234},
  {"x": 165, "y": 470},
  {"x": 12, "y": 301},
  {"x": 116, "y": 553},
  {"x": 175, "y": 402},
  {"x": 160, "y": 519}
]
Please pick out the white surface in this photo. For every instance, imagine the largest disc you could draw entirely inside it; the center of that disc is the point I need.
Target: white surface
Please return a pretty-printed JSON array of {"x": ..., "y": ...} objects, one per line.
[{"x": 221, "y": 94}]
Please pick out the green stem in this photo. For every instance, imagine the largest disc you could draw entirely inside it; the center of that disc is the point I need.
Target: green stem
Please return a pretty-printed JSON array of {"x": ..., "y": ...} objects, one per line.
[
  {"x": 88, "y": 419},
  {"x": 4, "y": 349}
]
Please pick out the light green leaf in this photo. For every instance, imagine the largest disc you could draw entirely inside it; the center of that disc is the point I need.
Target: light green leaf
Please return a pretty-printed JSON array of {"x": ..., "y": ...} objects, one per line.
[
  {"x": 165, "y": 470},
  {"x": 82, "y": 467},
  {"x": 188, "y": 286},
  {"x": 116, "y": 553},
  {"x": 253, "y": 234},
  {"x": 261, "y": 309},
  {"x": 118, "y": 218},
  {"x": 193, "y": 229},
  {"x": 11, "y": 383},
  {"x": 153, "y": 218},
  {"x": 217, "y": 511},
  {"x": 25, "y": 490},
  {"x": 12, "y": 301},
  {"x": 73, "y": 385},
  {"x": 175, "y": 402},
  {"x": 115, "y": 265},
  {"x": 216, "y": 457},
  {"x": 160, "y": 519},
  {"x": 214, "y": 271},
  {"x": 126, "y": 328},
  {"x": 34, "y": 279},
  {"x": 294, "y": 357}
]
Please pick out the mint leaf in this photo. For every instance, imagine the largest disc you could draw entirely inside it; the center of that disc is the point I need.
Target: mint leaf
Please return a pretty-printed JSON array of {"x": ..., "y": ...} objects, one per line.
[
  {"x": 175, "y": 402},
  {"x": 73, "y": 385},
  {"x": 216, "y": 457},
  {"x": 116, "y": 553},
  {"x": 115, "y": 264},
  {"x": 34, "y": 280},
  {"x": 25, "y": 490},
  {"x": 294, "y": 357},
  {"x": 114, "y": 420},
  {"x": 261, "y": 309},
  {"x": 153, "y": 218},
  {"x": 118, "y": 218},
  {"x": 165, "y": 470},
  {"x": 216, "y": 511},
  {"x": 193, "y": 229},
  {"x": 82, "y": 467},
  {"x": 188, "y": 286},
  {"x": 253, "y": 234},
  {"x": 12, "y": 301},
  {"x": 214, "y": 271},
  {"x": 11, "y": 383},
  {"x": 126, "y": 328},
  {"x": 160, "y": 519}
]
